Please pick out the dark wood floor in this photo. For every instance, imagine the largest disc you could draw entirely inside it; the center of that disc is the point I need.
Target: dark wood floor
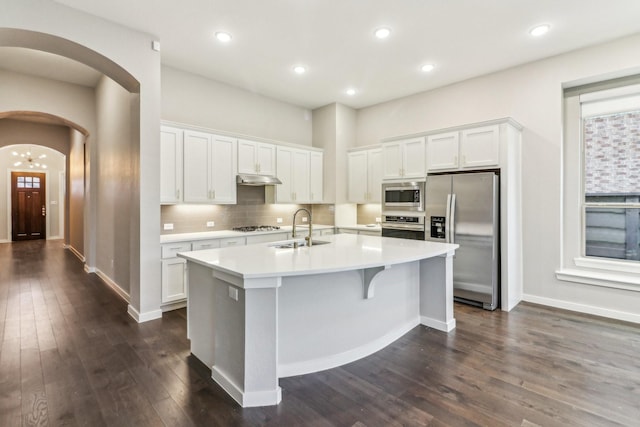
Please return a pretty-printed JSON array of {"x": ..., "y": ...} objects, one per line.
[{"x": 70, "y": 355}]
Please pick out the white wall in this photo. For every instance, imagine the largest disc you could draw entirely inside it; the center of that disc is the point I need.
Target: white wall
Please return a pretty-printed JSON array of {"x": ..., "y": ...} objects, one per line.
[
  {"x": 532, "y": 95},
  {"x": 191, "y": 99},
  {"x": 74, "y": 227},
  {"x": 114, "y": 170}
]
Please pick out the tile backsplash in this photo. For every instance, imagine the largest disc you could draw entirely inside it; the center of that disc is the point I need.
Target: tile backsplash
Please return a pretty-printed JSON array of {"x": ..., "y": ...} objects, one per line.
[
  {"x": 250, "y": 209},
  {"x": 367, "y": 214}
]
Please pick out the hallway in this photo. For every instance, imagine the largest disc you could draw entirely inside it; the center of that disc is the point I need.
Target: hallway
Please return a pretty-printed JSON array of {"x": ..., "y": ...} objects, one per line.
[{"x": 70, "y": 355}]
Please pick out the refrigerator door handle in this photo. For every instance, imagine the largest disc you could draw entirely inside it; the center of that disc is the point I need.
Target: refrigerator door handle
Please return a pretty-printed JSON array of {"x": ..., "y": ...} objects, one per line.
[
  {"x": 452, "y": 219},
  {"x": 447, "y": 219}
]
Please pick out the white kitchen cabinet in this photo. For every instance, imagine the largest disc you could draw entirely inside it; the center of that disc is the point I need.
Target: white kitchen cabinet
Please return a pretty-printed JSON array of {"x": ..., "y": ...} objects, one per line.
[
  {"x": 365, "y": 176},
  {"x": 294, "y": 168},
  {"x": 200, "y": 245},
  {"x": 212, "y": 168},
  {"x": 442, "y": 151},
  {"x": 404, "y": 158},
  {"x": 173, "y": 282},
  {"x": 256, "y": 158},
  {"x": 475, "y": 148},
  {"x": 171, "y": 140},
  {"x": 316, "y": 187},
  {"x": 480, "y": 147},
  {"x": 232, "y": 241}
]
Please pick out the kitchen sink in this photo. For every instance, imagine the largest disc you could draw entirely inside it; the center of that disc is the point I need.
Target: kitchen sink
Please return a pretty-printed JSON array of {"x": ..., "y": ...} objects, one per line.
[{"x": 290, "y": 243}]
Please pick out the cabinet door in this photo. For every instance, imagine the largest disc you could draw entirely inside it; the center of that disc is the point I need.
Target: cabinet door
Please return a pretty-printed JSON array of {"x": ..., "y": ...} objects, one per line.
[
  {"x": 315, "y": 177},
  {"x": 196, "y": 175},
  {"x": 357, "y": 170},
  {"x": 413, "y": 158},
  {"x": 247, "y": 156},
  {"x": 374, "y": 176},
  {"x": 232, "y": 241},
  {"x": 170, "y": 165},
  {"x": 442, "y": 151},
  {"x": 300, "y": 176},
  {"x": 480, "y": 147},
  {"x": 392, "y": 160},
  {"x": 174, "y": 280},
  {"x": 284, "y": 166},
  {"x": 266, "y": 159},
  {"x": 223, "y": 170}
]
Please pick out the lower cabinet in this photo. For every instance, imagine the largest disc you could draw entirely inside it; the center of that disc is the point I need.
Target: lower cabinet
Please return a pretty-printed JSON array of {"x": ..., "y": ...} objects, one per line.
[{"x": 174, "y": 280}]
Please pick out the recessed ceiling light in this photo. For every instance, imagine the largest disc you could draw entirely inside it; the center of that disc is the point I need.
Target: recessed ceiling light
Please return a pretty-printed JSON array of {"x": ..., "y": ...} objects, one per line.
[
  {"x": 427, "y": 67},
  {"x": 382, "y": 32},
  {"x": 350, "y": 91},
  {"x": 299, "y": 69},
  {"x": 223, "y": 37},
  {"x": 540, "y": 30}
]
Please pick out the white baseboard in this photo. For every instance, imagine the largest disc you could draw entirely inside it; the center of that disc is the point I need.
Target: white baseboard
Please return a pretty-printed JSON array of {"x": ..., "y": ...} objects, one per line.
[
  {"x": 438, "y": 324},
  {"x": 76, "y": 253},
  {"x": 581, "y": 308},
  {"x": 143, "y": 317},
  {"x": 113, "y": 285},
  {"x": 5, "y": 241},
  {"x": 244, "y": 398}
]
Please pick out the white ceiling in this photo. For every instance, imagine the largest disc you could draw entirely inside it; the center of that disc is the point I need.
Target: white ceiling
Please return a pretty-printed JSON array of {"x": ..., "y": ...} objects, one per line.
[{"x": 334, "y": 39}]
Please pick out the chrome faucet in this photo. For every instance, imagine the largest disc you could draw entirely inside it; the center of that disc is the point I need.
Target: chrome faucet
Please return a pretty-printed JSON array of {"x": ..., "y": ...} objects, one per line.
[{"x": 293, "y": 233}]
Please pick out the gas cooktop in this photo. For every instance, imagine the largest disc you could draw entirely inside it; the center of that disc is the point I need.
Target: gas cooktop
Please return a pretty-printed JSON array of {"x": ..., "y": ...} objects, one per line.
[{"x": 249, "y": 228}]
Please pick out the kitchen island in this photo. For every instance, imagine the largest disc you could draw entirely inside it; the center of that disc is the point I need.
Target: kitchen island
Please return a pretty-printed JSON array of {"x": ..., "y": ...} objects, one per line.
[{"x": 261, "y": 312}]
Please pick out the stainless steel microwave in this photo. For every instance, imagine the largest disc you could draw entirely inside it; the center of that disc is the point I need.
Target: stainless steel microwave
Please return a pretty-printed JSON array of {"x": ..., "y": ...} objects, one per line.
[{"x": 403, "y": 196}]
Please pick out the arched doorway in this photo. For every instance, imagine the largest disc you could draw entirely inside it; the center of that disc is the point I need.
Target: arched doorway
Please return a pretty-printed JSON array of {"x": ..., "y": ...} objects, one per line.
[{"x": 142, "y": 269}]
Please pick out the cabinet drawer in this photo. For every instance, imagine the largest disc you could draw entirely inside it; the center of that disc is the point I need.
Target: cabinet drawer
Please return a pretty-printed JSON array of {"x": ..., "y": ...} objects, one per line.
[
  {"x": 170, "y": 250},
  {"x": 265, "y": 238},
  {"x": 232, "y": 241},
  {"x": 205, "y": 244}
]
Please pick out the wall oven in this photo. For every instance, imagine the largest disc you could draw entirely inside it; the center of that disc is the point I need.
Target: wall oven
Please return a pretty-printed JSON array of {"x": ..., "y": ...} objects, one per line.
[
  {"x": 403, "y": 226},
  {"x": 403, "y": 196}
]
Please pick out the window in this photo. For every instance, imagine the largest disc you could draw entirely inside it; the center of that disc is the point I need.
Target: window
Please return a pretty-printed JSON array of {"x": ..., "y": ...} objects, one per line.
[
  {"x": 601, "y": 184},
  {"x": 611, "y": 175}
]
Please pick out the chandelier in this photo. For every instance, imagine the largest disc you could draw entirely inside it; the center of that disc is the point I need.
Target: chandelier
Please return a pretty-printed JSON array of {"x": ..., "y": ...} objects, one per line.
[{"x": 28, "y": 160}]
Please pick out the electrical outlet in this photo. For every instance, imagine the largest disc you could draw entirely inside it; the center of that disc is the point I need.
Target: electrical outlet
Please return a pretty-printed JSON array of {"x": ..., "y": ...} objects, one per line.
[
  {"x": 168, "y": 226},
  {"x": 279, "y": 220},
  {"x": 233, "y": 293},
  {"x": 378, "y": 219},
  {"x": 211, "y": 224},
  {"x": 304, "y": 219}
]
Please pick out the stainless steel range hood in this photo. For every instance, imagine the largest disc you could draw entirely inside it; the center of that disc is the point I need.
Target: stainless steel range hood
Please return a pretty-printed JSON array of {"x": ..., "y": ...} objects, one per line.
[{"x": 257, "y": 180}]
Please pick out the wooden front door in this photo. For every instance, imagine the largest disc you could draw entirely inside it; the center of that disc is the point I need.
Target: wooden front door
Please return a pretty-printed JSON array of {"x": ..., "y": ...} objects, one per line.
[{"x": 28, "y": 206}]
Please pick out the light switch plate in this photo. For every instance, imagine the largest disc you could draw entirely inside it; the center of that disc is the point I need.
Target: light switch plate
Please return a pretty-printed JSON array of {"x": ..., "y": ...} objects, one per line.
[
  {"x": 278, "y": 220},
  {"x": 211, "y": 224},
  {"x": 304, "y": 219},
  {"x": 168, "y": 226},
  {"x": 233, "y": 293},
  {"x": 378, "y": 219}
]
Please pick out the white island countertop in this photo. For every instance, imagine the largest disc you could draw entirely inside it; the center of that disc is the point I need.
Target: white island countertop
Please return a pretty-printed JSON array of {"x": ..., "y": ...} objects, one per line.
[{"x": 344, "y": 252}]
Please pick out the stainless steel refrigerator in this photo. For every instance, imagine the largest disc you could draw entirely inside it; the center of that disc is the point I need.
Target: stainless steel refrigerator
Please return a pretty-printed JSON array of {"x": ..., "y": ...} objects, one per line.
[{"x": 464, "y": 209}]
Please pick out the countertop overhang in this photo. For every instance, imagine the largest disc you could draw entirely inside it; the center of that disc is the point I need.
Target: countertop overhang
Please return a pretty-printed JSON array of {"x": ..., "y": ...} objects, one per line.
[{"x": 344, "y": 252}]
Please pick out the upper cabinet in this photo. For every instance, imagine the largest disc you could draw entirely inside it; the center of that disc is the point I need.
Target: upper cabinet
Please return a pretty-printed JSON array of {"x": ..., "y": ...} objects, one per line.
[
  {"x": 256, "y": 158},
  {"x": 211, "y": 173},
  {"x": 301, "y": 174},
  {"x": 171, "y": 140},
  {"x": 365, "y": 175},
  {"x": 316, "y": 176},
  {"x": 474, "y": 148},
  {"x": 404, "y": 158}
]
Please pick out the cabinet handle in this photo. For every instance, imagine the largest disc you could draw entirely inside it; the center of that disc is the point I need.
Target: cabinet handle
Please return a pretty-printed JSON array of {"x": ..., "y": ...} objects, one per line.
[
  {"x": 455, "y": 160},
  {"x": 213, "y": 194},
  {"x": 177, "y": 193},
  {"x": 231, "y": 243},
  {"x": 464, "y": 160}
]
